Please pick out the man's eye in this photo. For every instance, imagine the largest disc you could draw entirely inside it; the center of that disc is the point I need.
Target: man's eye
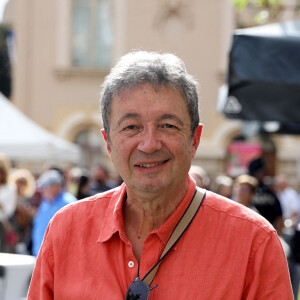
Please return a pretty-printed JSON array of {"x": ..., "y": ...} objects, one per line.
[
  {"x": 130, "y": 127},
  {"x": 168, "y": 126}
]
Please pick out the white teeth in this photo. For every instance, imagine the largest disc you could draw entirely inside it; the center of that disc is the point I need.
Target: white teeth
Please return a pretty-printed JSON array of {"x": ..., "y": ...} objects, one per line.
[{"x": 150, "y": 165}]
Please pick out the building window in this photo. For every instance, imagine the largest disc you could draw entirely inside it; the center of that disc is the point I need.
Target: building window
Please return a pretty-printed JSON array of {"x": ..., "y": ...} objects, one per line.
[{"x": 92, "y": 34}]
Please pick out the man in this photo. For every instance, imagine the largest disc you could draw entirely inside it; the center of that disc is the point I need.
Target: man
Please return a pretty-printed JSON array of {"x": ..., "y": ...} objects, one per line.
[
  {"x": 94, "y": 249},
  {"x": 53, "y": 199}
]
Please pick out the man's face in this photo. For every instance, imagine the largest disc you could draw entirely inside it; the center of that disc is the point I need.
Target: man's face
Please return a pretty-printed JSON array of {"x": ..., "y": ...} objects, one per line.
[{"x": 150, "y": 139}]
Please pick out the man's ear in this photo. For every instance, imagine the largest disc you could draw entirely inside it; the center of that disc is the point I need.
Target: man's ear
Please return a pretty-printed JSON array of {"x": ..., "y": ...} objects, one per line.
[
  {"x": 196, "y": 139},
  {"x": 108, "y": 148}
]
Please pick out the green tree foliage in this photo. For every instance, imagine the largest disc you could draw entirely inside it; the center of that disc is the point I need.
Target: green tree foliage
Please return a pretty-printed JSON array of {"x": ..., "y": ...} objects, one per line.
[
  {"x": 267, "y": 10},
  {"x": 5, "y": 70},
  {"x": 270, "y": 4}
]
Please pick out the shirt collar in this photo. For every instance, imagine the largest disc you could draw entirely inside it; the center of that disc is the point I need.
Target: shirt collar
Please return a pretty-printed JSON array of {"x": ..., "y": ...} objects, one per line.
[{"x": 113, "y": 221}]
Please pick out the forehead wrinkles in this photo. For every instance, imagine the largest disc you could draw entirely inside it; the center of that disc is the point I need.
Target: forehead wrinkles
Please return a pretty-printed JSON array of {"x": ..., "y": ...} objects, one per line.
[
  {"x": 125, "y": 91},
  {"x": 125, "y": 94}
]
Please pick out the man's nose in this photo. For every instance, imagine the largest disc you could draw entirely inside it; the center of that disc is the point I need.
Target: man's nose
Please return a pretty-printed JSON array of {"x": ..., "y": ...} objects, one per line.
[{"x": 150, "y": 141}]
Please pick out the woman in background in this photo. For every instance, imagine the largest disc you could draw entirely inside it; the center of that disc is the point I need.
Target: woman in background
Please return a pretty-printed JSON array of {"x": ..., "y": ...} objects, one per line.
[
  {"x": 21, "y": 222},
  {"x": 8, "y": 199}
]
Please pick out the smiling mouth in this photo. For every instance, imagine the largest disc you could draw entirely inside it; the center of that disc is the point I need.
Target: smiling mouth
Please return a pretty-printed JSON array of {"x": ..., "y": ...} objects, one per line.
[{"x": 151, "y": 165}]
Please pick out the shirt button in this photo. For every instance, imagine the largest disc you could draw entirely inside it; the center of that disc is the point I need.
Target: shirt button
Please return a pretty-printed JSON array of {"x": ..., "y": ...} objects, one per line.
[{"x": 131, "y": 264}]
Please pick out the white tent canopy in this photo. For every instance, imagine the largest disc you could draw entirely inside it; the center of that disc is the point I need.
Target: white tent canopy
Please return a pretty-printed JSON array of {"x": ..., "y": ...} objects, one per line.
[{"x": 23, "y": 140}]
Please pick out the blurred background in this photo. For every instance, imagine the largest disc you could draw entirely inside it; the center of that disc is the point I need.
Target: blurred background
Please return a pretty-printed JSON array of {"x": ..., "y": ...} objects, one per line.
[
  {"x": 54, "y": 56},
  {"x": 59, "y": 52}
]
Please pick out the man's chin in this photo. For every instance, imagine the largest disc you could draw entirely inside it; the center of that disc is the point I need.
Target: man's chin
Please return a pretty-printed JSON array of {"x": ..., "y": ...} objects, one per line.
[{"x": 150, "y": 187}]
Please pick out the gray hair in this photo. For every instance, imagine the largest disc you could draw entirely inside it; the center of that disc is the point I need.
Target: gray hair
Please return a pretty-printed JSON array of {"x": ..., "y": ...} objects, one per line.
[{"x": 136, "y": 68}]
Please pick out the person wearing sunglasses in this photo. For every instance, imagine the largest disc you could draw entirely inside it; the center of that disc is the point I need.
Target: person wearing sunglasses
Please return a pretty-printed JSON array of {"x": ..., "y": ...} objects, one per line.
[{"x": 157, "y": 236}]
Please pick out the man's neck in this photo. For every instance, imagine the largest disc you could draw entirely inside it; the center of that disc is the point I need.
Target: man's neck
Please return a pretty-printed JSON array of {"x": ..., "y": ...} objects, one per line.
[
  {"x": 142, "y": 215},
  {"x": 153, "y": 208}
]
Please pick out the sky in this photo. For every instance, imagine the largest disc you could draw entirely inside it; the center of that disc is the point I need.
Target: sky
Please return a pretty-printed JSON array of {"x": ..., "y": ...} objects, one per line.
[{"x": 2, "y": 4}]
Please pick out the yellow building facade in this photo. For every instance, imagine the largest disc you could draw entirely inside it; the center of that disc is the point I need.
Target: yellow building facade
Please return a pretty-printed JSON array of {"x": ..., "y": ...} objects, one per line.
[{"x": 64, "y": 49}]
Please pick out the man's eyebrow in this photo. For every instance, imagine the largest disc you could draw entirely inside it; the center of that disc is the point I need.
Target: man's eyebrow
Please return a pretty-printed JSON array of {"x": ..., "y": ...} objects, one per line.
[
  {"x": 172, "y": 117},
  {"x": 127, "y": 116}
]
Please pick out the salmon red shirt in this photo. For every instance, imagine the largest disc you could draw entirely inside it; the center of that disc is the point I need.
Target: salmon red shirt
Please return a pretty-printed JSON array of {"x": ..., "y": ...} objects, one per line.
[{"x": 228, "y": 252}]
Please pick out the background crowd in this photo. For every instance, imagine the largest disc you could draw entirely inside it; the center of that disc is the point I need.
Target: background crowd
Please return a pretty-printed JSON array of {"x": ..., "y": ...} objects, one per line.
[
  {"x": 272, "y": 197},
  {"x": 28, "y": 201}
]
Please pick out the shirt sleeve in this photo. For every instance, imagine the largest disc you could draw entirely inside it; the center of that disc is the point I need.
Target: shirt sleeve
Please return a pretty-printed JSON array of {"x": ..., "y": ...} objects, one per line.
[
  {"x": 42, "y": 282},
  {"x": 268, "y": 276}
]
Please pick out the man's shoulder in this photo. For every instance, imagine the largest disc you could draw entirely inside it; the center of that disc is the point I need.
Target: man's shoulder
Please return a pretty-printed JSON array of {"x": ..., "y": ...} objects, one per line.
[{"x": 235, "y": 212}]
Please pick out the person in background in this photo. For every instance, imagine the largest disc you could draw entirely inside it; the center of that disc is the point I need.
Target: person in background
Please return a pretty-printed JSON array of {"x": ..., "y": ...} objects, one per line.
[
  {"x": 53, "y": 198},
  {"x": 264, "y": 199},
  {"x": 8, "y": 202},
  {"x": 222, "y": 185},
  {"x": 289, "y": 202},
  {"x": 200, "y": 176},
  {"x": 21, "y": 222},
  {"x": 102, "y": 247},
  {"x": 83, "y": 190},
  {"x": 288, "y": 199},
  {"x": 72, "y": 177},
  {"x": 100, "y": 180},
  {"x": 244, "y": 189}
]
